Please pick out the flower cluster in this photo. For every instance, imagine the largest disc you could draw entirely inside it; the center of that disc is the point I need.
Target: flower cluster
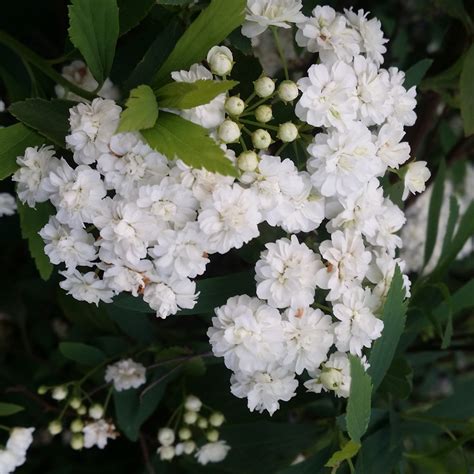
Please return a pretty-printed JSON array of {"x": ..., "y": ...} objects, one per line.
[
  {"x": 193, "y": 423},
  {"x": 14, "y": 453},
  {"x": 359, "y": 110},
  {"x": 7, "y": 204}
]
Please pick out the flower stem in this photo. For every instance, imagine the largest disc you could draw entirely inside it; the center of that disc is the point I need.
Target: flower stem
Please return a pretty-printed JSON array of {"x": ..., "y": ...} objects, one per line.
[
  {"x": 259, "y": 125},
  {"x": 280, "y": 51}
]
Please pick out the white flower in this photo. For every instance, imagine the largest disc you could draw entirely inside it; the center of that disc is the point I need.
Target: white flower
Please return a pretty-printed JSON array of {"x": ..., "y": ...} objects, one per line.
[
  {"x": 166, "y": 436},
  {"x": 404, "y": 101},
  {"x": 166, "y": 453},
  {"x": 261, "y": 14},
  {"x": 92, "y": 127},
  {"x": 309, "y": 335},
  {"x": 212, "y": 452},
  {"x": 128, "y": 277},
  {"x": 86, "y": 287},
  {"x": 208, "y": 115},
  {"x": 416, "y": 176},
  {"x": 14, "y": 454},
  {"x": 358, "y": 327},
  {"x": 98, "y": 433},
  {"x": 79, "y": 74},
  {"x": 286, "y": 274},
  {"x": 229, "y": 218},
  {"x": 247, "y": 333},
  {"x": 347, "y": 262},
  {"x": 168, "y": 297},
  {"x": 264, "y": 390},
  {"x": 32, "y": 176},
  {"x": 8, "y": 461},
  {"x": 7, "y": 204},
  {"x": 125, "y": 374},
  {"x": 329, "y": 96},
  {"x": 390, "y": 148}
]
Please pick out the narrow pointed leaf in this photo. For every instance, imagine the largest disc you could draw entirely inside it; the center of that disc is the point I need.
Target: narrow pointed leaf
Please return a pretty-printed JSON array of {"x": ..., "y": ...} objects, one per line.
[{"x": 141, "y": 110}]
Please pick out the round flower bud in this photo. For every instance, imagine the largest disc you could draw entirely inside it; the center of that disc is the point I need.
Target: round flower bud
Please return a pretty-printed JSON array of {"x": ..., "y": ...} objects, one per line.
[
  {"x": 166, "y": 453},
  {"x": 82, "y": 410},
  {"x": 261, "y": 139},
  {"x": 212, "y": 435},
  {"x": 331, "y": 378},
  {"x": 76, "y": 425},
  {"x": 96, "y": 411},
  {"x": 216, "y": 419},
  {"x": 234, "y": 105},
  {"x": 247, "y": 161},
  {"x": 287, "y": 132},
  {"x": 55, "y": 427},
  {"x": 287, "y": 91},
  {"x": 166, "y": 436},
  {"x": 190, "y": 417},
  {"x": 220, "y": 60},
  {"x": 59, "y": 393},
  {"x": 184, "y": 434},
  {"x": 263, "y": 113},
  {"x": 192, "y": 403},
  {"x": 42, "y": 389},
  {"x": 75, "y": 403},
  {"x": 264, "y": 87},
  {"x": 77, "y": 441},
  {"x": 202, "y": 423},
  {"x": 228, "y": 131},
  {"x": 189, "y": 447}
]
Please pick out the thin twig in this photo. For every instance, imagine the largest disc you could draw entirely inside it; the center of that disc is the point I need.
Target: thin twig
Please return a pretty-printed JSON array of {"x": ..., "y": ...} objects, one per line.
[{"x": 146, "y": 455}]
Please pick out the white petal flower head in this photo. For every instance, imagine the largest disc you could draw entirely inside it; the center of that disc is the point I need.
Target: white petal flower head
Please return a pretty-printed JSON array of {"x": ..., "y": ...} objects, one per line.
[
  {"x": 8, "y": 461},
  {"x": 86, "y": 287},
  {"x": 404, "y": 102},
  {"x": 125, "y": 374},
  {"x": 327, "y": 33},
  {"x": 229, "y": 218},
  {"x": 285, "y": 274},
  {"x": 209, "y": 115},
  {"x": 14, "y": 454},
  {"x": 264, "y": 390},
  {"x": 371, "y": 34},
  {"x": 98, "y": 433},
  {"x": 92, "y": 127},
  {"x": 415, "y": 178},
  {"x": 212, "y": 452},
  {"x": 131, "y": 278},
  {"x": 248, "y": 333},
  {"x": 309, "y": 336},
  {"x": 7, "y": 204},
  {"x": 32, "y": 176},
  {"x": 390, "y": 148},
  {"x": 261, "y": 14},
  {"x": 357, "y": 326},
  {"x": 328, "y": 96},
  {"x": 347, "y": 263}
]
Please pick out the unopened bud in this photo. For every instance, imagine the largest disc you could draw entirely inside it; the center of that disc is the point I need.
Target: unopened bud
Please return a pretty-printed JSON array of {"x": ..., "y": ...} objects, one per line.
[
  {"x": 166, "y": 453},
  {"x": 202, "y": 423},
  {"x": 331, "y": 378},
  {"x": 264, "y": 87},
  {"x": 75, "y": 403},
  {"x": 42, "y": 389},
  {"x": 229, "y": 131},
  {"x": 234, "y": 105},
  {"x": 263, "y": 113},
  {"x": 287, "y": 91},
  {"x": 220, "y": 60},
  {"x": 261, "y": 139},
  {"x": 216, "y": 419},
  {"x": 192, "y": 403},
  {"x": 76, "y": 425},
  {"x": 96, "y": 411},
  {"x": 55, "y": 427},
  {"x": 184, "y": 434},
  {"x": 287, "y": 132},
  {"x": 247, "y": 161},
  {"x": 166, "y": 436},
  {"x": 77, "y": 441},
  {"x": 212, "y": 435},
  {"x": 190, "y": 417},
  {"x": 59, "y": 393}
]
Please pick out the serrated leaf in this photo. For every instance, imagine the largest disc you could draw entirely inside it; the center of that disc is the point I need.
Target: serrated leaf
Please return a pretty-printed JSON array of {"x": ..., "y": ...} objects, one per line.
[
  {"x": 393, "y": 316},
  {"x": 186, "y": 95},
  {"x": 49, "y": 117},
  {"x": 434, "y": 211},
  {"x": 141, "y": 110},
  {"x": 81, "y": 353},
  {"x": 176, "y": 137},
  {"x": 349, "y": 450},
  {"x": 132, "y": 12},
  {"x": 358, "y": 406},
  {"x": 398, "y": 380},
  {"x": 466, "y": 85},
  {"x": 31, "y": 222},
  {"x": 94, "y": 30},
  {"x": 211, "y": 27},
  {"x": 7, "y": 409},
  {"x": 14, "y": 140},
  {"x": 417, "y": 72}
]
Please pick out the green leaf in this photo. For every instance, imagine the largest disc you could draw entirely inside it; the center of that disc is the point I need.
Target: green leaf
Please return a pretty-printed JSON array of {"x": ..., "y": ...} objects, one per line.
[
  {"x": 93, "y": 30},
  {"x": 434, "y": 210},
  {"x": 186, "y": 95},
  {"x": 349, "y": 450},
  {"x": 211, "y": 27},
  {"x": 417, "y": 72},
  {"x": 312, "y": 465},
  {"x": 131, "y": 321},
  {"x": 31, "y": 222},
  {"x": 398, "y": 380},
  {"x": 132, "y": 410},
  {"x": 459, "y": 301},
  {"x": 173, "y": 2},
  {"x": 466, "y": 85},
  {"x": 455, "y": 9},
  {"x": 14, "y": 140},
  {"x": 452, "y": 221},
  {"x": 132, "y": 12},
  {"x": 7, "y": 409},
  {"x": 393, "y": 316},
  {"x": 358, "y": 406},
  {"x": 176, "y": 137},
  {"x": 81, "y": 353},
  {"x": 141, "y": 110},
  {"x": 48, "y": 117}
]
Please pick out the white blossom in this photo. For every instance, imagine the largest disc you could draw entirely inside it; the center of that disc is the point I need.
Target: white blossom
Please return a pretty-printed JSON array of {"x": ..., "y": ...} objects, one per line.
[
  {"x": 125, "y": 374},
  {"x": 212, "y": 452},
  {"x": 98, "y": 433},
  {"x": 7, "y": 204}
]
